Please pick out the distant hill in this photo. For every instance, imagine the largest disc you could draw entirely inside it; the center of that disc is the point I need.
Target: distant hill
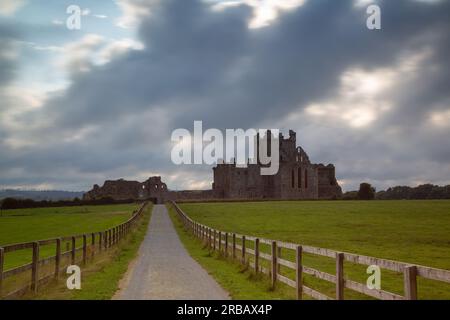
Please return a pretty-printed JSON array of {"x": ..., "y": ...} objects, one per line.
[{"x": 40, "y": 195}]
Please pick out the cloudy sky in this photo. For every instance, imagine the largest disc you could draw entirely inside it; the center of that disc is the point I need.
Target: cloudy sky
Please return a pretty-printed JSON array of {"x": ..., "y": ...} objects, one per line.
[{"x": 81, "y": 106}]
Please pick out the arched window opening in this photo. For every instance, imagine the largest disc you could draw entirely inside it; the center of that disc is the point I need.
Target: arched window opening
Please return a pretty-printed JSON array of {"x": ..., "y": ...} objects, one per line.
[
  {"x": 306, "y": 179},
  {"x": 299, "y": 178},
  {"x": 293, "y": 178}
]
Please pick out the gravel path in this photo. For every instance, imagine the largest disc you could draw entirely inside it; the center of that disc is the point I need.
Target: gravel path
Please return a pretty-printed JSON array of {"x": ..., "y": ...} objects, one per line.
[{"x": 164, "y": 269}]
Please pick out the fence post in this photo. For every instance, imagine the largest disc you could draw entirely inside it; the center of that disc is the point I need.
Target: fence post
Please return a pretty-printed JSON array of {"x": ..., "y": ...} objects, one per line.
[
  {"x": 233, "y": 250},
  {"x": 93, "y": 245},
  {"x": 214, "y": 244},
  {"x": 209, "y": 238},
  {"x": 100, "y": 235},
  {"x": 113, "y": 236},
  {"x": 274, "y": 263},
  {"x": 84, "y": 249},
  {"x": 410, "y": 282},
  {"x": 243, "y": 249},
  {"x": 73, "y": 250},
  {"x": 57, "y": 258},
  {"x": 2, "y": 263},
  {"x": 339, "y": 276},
  {"x": 109, "y": 238},
  {"x": 220, "y": 241},
  {"x": 204, "y": 233},
  {"x": 299, "y": 271},
  {"x": 35, "y": 268},
  {"x": 226, "y": 244},
  {"x": 256, "y": 255}
]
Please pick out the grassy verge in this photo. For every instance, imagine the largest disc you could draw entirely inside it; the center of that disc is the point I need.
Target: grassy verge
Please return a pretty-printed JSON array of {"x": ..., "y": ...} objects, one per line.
[
  {"x": 100, "y": 278},
  {"x": 24, "y": 225},
  {"x": 240, "y": 282},
  {"x": 409, "y": 231}
]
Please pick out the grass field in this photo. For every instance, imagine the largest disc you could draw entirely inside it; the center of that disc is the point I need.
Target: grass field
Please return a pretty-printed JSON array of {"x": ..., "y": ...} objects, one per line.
[
  {"x": 410, "y": 231},
  {"x": 100, "y": 278},
  {"x": 24, "y": 225}
]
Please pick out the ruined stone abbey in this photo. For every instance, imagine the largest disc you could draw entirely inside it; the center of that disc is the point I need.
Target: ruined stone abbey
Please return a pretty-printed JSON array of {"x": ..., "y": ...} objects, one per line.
[{"x": 297, "y": 178}]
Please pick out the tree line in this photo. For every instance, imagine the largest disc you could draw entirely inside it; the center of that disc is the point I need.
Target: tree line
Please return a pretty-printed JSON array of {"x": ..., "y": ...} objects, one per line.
[
  {"x": 422, "y": 192},
  {"x": 13, "y": 203}
]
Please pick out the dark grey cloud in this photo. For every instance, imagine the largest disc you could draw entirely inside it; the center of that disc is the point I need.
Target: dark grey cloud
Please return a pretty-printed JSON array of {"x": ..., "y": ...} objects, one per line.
[{"x": 204, "y": 65}]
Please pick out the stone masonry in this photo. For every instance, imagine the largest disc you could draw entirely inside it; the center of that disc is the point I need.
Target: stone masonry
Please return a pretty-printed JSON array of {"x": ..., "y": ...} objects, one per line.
[{"x": 296, "y": 179}]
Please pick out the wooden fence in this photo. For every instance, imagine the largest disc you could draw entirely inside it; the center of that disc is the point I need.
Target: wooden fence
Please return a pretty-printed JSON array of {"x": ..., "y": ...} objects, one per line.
[
  {"x": 91, "y": 244},
  {"x": 237, "y": 249}
]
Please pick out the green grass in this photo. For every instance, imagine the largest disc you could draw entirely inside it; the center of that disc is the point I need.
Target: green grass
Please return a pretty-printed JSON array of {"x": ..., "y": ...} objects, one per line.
[
  {"x": 410, "y": 231},
  {"x": 24, "y": 225},
  {"x": 100, "y": 279}
]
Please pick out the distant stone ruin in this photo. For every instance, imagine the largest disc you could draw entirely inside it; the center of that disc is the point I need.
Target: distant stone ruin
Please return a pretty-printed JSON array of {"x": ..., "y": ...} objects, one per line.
[
  {"x": 152, "y": 189},
  {"x": 296, "y": 179}
]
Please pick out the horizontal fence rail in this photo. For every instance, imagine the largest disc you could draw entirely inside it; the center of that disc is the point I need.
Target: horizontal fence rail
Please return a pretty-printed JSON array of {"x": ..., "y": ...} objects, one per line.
[
  {"x": 219, "y": 240},
  {"x": 91, "y": 244}
]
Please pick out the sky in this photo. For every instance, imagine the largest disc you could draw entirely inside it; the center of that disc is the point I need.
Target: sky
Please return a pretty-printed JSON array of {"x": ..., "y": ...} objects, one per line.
[{"x": 78, "y": 107}]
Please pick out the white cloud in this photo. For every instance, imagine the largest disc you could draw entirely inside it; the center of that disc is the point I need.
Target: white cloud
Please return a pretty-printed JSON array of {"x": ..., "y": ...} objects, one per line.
[
  {"x": 94, "y": 49},
  {"x": 364, "y": 3},
  {"x": 116, "y": 48},
  {"x": 365, "y": 95},
  {"x": 361, "y": 98},
  {"x": 19, "y": 100},
  {"x": 10, "y": 7},
  {"x": 440, "y": 118},
  {"x": 91, "y": 50},
  {"x": 133, "y": 11},
  {"x": 264, "y": 11},
  {"x": 78, "y": 56}
]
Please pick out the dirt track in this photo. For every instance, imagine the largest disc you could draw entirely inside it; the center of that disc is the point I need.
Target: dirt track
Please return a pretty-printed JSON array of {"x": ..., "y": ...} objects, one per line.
[{"x": 164, "y": 269}]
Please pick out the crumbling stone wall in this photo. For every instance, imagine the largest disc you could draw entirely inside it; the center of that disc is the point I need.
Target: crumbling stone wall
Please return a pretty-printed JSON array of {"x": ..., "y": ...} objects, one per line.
[
  {"x": 297, "y": 177},
  {"x": 151, "y": 189}
]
